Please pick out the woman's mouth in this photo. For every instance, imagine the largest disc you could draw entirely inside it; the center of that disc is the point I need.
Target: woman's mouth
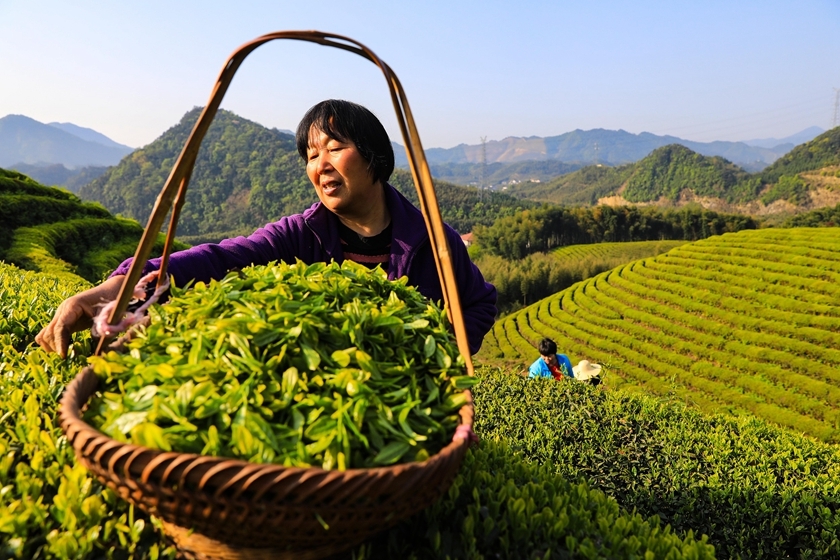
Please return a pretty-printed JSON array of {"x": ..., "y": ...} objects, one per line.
[{"x": 330, "y": 187}]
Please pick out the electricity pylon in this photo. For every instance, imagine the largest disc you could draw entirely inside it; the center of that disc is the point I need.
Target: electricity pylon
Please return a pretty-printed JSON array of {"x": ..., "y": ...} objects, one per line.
[
  {"x": 483, "y": 167},
  {"x": 834, "y": 121}
]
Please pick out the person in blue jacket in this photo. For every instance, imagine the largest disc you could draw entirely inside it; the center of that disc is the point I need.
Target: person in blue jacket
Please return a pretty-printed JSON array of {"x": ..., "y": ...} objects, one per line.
[{"x": 550, "y": 363}]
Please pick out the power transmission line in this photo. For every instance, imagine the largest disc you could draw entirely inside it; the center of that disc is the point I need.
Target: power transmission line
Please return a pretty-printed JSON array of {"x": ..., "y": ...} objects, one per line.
[
  {"x": 789, "y": 114},
  {"x": 834, "y": 121},
  {"x": 483, "y": 167}
]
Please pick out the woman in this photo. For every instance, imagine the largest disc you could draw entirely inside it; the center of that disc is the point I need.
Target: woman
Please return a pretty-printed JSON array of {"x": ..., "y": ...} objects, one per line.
[{"x": 359, "y": 216}]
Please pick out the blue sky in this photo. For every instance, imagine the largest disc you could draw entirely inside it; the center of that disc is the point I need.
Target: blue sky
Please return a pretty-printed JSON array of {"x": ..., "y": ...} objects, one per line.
[{"x": 711, "y": 70}]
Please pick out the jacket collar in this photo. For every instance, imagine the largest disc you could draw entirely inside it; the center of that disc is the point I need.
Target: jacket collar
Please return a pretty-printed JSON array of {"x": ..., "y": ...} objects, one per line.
[{"x": 409, "y": 230}]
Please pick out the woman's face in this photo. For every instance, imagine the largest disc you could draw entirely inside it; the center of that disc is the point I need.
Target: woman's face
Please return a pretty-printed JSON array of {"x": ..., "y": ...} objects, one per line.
[{"x": 340, "y": 175}]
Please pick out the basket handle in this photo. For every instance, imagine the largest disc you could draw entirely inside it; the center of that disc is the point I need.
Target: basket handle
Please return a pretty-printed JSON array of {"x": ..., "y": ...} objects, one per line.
[{"x": 175, "y": 187}]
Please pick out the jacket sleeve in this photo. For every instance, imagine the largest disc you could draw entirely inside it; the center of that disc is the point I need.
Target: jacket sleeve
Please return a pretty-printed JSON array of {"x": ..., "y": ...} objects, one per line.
[
  {"x": 478, "y": 297},
  {"x": 212, "y": 261},
  {"x": 538, "y": 369}
]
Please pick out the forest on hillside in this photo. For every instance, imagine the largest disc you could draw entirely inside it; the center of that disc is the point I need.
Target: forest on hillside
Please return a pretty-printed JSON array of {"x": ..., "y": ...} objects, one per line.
[
  {"x": 51, "y": 230},
  {"x": 670, "y": 170},
  {"x": 548, "y": 227},
  {"x": 246, "y": 176},
  {"x": 463, "y": 208},
  {"x": 523, "y": 254},
  {"x": 822, "y": 217}
]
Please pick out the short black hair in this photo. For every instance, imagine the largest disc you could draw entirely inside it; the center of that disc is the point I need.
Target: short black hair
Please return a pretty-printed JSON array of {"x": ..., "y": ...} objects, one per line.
[
  {"x": 349, "y": 122},
  {"x": 547, "y": 347}
]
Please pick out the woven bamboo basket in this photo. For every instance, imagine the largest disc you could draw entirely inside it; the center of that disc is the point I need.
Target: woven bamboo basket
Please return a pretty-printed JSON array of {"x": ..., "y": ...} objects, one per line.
[{"x": 220, "y": 508}]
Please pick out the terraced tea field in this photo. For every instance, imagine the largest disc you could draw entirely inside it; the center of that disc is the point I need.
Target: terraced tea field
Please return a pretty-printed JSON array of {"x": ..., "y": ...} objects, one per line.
[
  {"x": 744, "y": 323},
  {"x": 610, "y": 252}
]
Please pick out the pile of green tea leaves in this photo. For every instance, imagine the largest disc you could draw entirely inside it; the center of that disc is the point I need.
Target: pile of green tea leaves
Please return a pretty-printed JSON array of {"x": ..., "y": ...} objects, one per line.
[{"x": 322, "y": 365}]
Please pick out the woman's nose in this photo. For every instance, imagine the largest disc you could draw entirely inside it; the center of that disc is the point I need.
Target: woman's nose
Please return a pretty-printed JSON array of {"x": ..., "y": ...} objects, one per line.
[{"x": 323, "y": 163}]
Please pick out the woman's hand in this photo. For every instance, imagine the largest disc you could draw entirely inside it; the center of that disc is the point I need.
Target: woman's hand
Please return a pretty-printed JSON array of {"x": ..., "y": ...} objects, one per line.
[{"x": 76, "y": 314}]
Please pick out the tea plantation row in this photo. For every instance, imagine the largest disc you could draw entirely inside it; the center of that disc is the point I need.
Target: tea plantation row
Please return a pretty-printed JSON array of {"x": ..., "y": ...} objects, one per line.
[
  {"x": 502, "y": 504},
  {"x": 610, "y": 252},
  {"x": 747, "y": 323},
  {"x": 52, "y": 230},
  {"x": 519, "y": 282}
]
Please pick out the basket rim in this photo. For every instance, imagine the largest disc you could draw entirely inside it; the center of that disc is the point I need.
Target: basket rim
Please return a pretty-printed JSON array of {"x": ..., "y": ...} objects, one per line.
[{"x": 85, "y": 383}]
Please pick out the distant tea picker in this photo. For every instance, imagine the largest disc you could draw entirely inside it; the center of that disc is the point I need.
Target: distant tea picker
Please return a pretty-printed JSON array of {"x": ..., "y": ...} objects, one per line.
[{"x": 558, "y": 366}]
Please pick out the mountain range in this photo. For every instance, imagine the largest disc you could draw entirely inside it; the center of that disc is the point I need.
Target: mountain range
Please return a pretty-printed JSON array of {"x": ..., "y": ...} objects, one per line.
[
  {"x": 24, "y": 140},
  {"x": 89, "y": 134},
  {"x": 31, "y": 146},
  {"x": 610, "y": 147},
  {"x": 794, "y": 139},
  {"x": 247, "y": 175},
  {"x": 806, "y": 178}
]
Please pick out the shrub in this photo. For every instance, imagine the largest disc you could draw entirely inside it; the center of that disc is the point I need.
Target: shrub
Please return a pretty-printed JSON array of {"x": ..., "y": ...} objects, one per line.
[{"x": 757, "y": 491}]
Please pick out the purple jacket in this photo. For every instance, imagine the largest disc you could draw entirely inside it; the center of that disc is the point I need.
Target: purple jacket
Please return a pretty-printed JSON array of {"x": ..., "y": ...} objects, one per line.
[{"x": 313, "y": 237}]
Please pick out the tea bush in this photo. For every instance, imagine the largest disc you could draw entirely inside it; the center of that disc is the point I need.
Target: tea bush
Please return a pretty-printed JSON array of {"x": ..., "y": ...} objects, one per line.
[
  {"x": 50, "y": 507},
  {"x": 757, "y": 491},
  {"x": 503, "y": 506}
]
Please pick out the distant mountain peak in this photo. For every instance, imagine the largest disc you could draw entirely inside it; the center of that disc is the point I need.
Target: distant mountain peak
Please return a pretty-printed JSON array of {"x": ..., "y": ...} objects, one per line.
[
  {"x": 28, "y": 141},
  {"x": 597, "y": 145},
  {"x": 88, "y": 134},
  {"x": 794, "y": 139}
]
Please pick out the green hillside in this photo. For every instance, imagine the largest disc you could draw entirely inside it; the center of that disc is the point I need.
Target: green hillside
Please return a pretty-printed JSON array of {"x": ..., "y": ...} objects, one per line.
[
  {"x": 792, "y": 177},
  {"x": 822, "y": 151},
  {"x": 464, "y": 207},
  {"x": 745, "y": 323},
  {"x": 667, "y": 171},
  {"x": 662, "y": 174},
  {"x": 580, "y": 188},
  {"x": 522, "y": 281},
  {"x": 246, "y": 176},
  {"x": 51, "y": 230}
]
